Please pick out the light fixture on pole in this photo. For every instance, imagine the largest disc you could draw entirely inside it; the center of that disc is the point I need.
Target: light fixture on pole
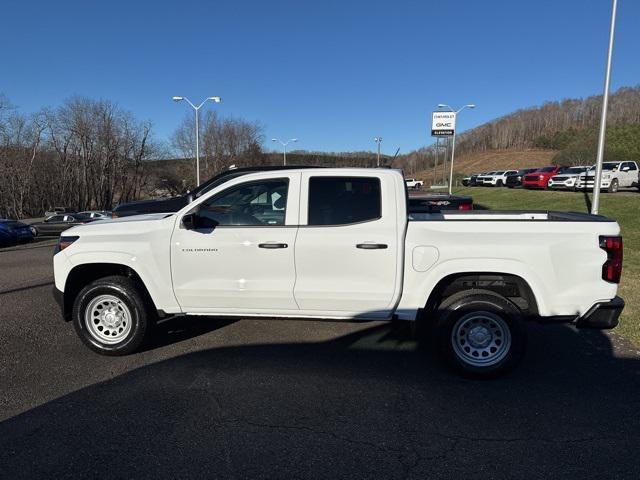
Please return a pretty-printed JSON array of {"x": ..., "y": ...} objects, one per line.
[
  {"x": 378, "y": 140},
  {"x": 197, "y": 110},
  {"x": 595, "y": 205},
  {"x": 284, "y": 147},
  {"x": 453, "y": 140}
]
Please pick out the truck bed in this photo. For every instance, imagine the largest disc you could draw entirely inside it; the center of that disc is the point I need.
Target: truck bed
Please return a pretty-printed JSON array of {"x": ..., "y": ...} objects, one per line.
[{"x": 508, "y": 216}]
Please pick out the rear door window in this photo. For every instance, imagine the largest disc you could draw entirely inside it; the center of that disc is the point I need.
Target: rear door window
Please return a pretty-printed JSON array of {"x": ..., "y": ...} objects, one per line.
[{"x": 343, "y": 200}]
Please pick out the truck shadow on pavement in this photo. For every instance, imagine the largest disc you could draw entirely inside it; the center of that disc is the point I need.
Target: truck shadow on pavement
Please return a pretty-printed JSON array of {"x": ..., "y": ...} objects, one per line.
[{"x": 366, "y": 405}]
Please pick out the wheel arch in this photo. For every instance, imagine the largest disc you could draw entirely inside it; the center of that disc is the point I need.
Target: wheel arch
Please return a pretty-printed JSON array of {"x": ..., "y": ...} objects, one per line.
[
  {"x": 81, "y": 275},
  {"x": 509, "y": 285}
]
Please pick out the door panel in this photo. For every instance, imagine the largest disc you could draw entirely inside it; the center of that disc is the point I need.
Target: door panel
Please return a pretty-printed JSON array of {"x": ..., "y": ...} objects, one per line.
[
  {"x": 226, "y": 268},
  {"x": 240, "y": 255},
  {"x": 349, "y": 267}
]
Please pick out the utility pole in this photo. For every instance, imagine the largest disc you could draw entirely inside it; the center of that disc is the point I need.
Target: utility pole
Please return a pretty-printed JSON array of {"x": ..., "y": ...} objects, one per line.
[
  {"x": 284, "y": 148},
  {"x": 378, "y": 140},
  {"x": 197, "y": 110},
  {"x": 603, "y": 118}
]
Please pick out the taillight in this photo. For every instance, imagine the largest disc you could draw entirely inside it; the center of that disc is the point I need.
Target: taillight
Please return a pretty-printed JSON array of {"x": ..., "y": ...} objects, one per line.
[
  {"x": 114, "y": 215},
  {"x": 465, "y": 206},
  {"x": 612, "y": 268}
]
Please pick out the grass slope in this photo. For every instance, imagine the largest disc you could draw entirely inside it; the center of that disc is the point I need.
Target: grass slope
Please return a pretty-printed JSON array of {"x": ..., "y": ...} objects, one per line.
[{"x": 623, "y": 207}]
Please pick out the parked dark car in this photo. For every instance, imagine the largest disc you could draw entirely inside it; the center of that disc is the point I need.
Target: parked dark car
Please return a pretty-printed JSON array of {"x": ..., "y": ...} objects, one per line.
[
  {"x": 13, "y": 232},
  {"x": 435, "y": 202},
  {"x": 56, "y": 224},
  {"x": 515, "y": 179},
  {"x": 58, "y": 211},
  {"x": 169, "y": 205}
]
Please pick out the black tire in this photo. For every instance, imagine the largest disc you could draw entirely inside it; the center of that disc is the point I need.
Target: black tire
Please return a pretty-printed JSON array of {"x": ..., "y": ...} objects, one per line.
[
  {"x": 499, "y": 183},
  {"x": 499, "y": 325},
  {"x": 613, "y": 186},
  {"x": 34, "y": 231},
  {"x": 140, "y": 315}
]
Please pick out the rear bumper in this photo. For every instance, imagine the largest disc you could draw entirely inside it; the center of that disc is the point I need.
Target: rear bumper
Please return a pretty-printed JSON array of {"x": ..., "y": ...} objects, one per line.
[{"x": 603, "y": 315}]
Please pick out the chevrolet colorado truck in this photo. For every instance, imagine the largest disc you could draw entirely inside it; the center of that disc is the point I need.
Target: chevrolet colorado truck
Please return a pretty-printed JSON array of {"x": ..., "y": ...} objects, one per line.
[{"x": 341, "y": 244}]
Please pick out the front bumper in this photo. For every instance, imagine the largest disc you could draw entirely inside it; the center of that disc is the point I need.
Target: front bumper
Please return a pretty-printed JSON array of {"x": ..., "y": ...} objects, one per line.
[
  {"x": 534, "y": 184},
  {"x": 58, "y": 296},
  {"x": 603, "y": 315},
  {"x": 588, "y": 185},
  {"x": 568, "y": 184}
]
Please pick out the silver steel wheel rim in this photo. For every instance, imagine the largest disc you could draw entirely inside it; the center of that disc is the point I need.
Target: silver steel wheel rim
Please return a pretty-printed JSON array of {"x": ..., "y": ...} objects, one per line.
[
  {"x": 481, "y": 339},
  {"x": 108, "y": 319}
]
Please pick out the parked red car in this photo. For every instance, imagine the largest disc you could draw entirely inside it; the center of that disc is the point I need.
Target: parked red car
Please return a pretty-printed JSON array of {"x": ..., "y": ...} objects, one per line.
[{"x": 540, "y": 177}]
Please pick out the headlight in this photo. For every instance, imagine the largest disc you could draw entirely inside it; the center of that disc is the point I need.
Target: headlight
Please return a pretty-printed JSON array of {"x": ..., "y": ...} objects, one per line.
[
  {"x": 64, "y": 242},
  {"x": 606, "y": 176},
  {"x": 541, "y": 177}
]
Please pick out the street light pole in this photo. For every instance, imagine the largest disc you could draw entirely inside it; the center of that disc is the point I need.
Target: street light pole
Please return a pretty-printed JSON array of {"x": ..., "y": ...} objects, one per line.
[
  {"x": 378, "y": 140},
  {"x": 603, "y": 118},
  {"x": 197, "y": 110},
  {"x": 284, "y": 147},
  {"x": 453, "y": 141}
]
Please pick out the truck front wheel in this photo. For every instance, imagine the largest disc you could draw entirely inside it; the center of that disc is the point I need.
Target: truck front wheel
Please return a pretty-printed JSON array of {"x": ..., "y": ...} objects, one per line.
[
  {"x": 480, "y": 333},
  {"x": 111, "y": 317}
]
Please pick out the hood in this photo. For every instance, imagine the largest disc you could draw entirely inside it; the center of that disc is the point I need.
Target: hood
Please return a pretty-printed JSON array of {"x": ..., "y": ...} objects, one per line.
[
  {"x": 162, "y": 205},
  {"x": 147, "y": 217},
  {"x": 132, "y": 224}
]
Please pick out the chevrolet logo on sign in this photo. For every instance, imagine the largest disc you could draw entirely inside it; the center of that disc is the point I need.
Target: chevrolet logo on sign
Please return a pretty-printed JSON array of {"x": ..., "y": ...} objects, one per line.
[{"x": 443, "y": 124}]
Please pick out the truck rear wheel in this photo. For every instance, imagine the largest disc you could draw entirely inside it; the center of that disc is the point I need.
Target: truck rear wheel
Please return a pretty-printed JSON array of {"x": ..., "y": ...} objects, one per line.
[
  {"x": 480, "y": 334},
  {"x": 111, "y": 316}
]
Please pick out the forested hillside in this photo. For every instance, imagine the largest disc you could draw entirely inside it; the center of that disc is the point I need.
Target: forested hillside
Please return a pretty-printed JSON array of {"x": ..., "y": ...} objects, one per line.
[{"x": 568, "y": 124}]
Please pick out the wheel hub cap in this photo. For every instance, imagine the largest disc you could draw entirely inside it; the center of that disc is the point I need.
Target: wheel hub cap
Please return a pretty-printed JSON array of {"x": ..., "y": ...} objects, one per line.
[
  {"x": 479, "y": 336},
  {"x": 481, "y": 339},
  {"x": 108, "y": 319}
]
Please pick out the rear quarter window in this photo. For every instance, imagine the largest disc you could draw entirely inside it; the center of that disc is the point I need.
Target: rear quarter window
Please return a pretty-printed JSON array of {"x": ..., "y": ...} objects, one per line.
[{"x": 344, "y": 200}]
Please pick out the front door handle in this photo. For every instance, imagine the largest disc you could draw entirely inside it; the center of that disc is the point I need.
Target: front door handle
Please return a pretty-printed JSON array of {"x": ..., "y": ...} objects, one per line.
[
  {"x": 372, "y": 246},
  {"x": 272, "y": 245}
]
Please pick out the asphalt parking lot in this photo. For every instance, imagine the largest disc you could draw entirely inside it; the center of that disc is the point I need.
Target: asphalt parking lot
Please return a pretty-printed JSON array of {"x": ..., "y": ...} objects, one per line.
[{"x": 299, "y": 399}]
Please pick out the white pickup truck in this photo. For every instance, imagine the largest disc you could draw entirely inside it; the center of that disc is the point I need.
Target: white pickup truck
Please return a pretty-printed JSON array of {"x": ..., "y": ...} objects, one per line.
[
  {"x": 614, "y": 175},
  {"x": 340, "y": 244},
  {"x": 413, "y": 183}
]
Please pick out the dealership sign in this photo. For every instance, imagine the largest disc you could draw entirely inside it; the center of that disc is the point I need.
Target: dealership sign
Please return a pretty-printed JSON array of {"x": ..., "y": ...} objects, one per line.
[{"x": 443, "y": 124}]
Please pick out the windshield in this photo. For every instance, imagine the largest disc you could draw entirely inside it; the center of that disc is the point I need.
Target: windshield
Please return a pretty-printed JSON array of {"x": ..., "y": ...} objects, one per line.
[
  {"x": 575, "y": 170},
  {"x": 499, "y": 173},
  {"x": 547, "y": 169},
  {"x": 606, "y": 166}
]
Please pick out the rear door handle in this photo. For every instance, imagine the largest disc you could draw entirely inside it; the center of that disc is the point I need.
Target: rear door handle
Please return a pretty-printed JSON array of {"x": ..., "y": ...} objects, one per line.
[
  {"x": 270, "y": 245},
  {"x": 372, "y": 246}
]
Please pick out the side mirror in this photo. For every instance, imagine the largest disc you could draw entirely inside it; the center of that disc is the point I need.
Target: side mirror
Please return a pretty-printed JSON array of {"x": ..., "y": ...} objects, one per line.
[{"x": 190, "y": 220}]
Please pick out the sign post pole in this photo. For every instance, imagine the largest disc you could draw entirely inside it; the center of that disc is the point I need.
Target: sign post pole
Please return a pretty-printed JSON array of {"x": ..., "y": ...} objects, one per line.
[{"x": 453, "y": 152}]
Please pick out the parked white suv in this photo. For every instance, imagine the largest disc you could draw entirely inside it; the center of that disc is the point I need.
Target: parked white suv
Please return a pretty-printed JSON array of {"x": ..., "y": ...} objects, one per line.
[
  {"x": 413, "y": 183},
  {"x": 567, "y": 178},
  {"x": 341, "y": 244},
  {"x": 614, "y": 175},
  {"x": 497, "y": 179}
]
